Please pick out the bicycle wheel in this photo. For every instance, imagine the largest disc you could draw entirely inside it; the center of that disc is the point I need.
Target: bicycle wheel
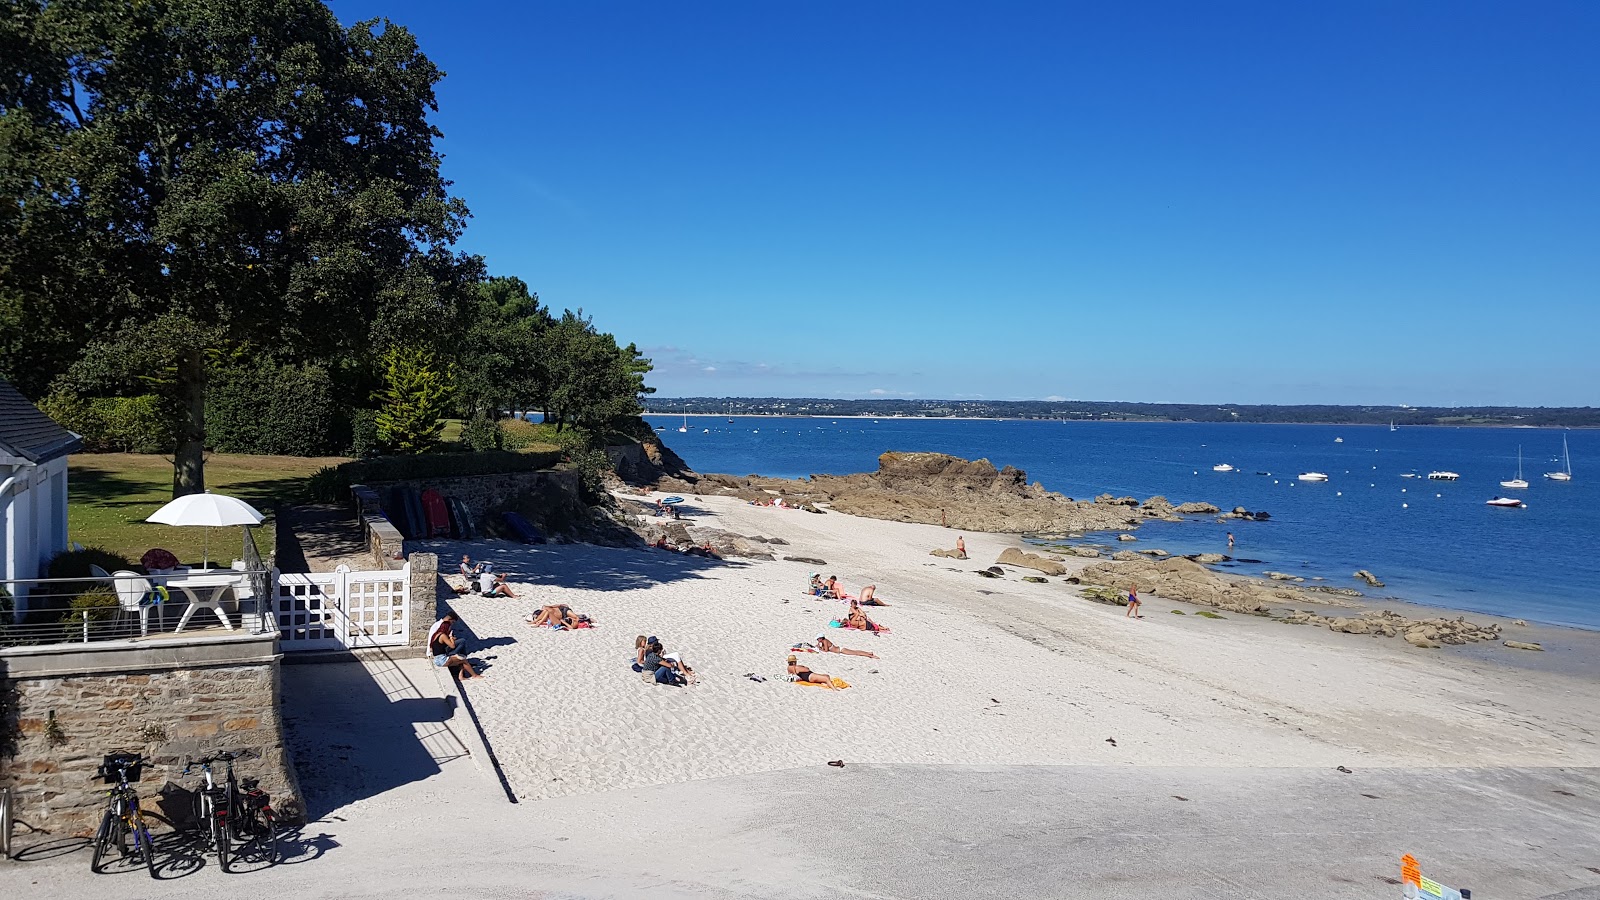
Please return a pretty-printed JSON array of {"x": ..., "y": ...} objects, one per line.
[
  {"x": 219, "y": 838},
  {"x": 103, "y": 840},
  {"x": 147, "y": 847},
  {"x": 267, "y": 837}
]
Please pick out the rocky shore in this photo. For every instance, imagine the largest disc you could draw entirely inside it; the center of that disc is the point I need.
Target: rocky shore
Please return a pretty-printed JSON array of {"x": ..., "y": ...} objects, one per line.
[{"x": 938, "y": 489}]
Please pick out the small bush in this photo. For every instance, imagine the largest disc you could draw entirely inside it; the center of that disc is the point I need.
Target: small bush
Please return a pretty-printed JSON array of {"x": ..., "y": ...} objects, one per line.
[
  {"x": 591, "y": 466},
  {"x": 481, "y": 433},
  {"x": 364, "y": 433},
  {"x": 520, "y": 434},
  {"x": 97, "y": 604},
  {"x": 76, "y": 563}
]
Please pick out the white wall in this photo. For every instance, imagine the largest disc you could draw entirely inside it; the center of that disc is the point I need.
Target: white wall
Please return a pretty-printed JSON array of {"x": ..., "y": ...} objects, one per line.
[{"x": 33, "y": 518}]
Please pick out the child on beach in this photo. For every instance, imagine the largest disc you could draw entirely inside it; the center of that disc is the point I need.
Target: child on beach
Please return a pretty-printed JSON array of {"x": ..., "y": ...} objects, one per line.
[{"x": 1133, "y": 602}]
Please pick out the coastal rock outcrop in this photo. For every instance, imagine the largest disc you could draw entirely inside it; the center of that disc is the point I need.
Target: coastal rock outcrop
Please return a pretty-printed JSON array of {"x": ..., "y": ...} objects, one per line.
[
  {"x": 935, "y": 489},
  {"x": 1208, "y": 559},
  {"x": 1126, "y": 537},
  {"x": 1198, "y": 509},
  {"x": 1524, "y": 645},
  {"x": 1368, "y": 577},
  {"x": 1011, "y": 556}
]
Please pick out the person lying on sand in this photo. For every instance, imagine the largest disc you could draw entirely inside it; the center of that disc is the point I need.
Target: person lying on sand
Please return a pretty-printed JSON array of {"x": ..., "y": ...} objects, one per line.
[
  {"x": 869, "y": 596},
  {"x": 801, "y": 673},
  {"x": 858, "y": 619},
  {"x": 558, "y": 614},
  {"x": 827, "y": 646}
]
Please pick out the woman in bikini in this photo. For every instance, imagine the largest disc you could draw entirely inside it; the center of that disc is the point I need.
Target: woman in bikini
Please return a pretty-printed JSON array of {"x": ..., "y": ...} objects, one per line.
[
  {"x": 858, "y": 619},
  {"x": 827, "y": 646},
  {"x": 801, "y": 673},
  {"x": 556, "y": 614}
]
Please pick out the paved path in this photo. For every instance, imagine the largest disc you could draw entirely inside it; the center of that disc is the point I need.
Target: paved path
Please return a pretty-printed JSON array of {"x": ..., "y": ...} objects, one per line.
[{"x": 400, "y": 811}]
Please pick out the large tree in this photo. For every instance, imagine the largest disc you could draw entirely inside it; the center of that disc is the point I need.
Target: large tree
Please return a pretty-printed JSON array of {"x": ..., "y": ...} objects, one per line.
[
  {"x": 182, "y": 179},
  {"x": 594, "y": 382},
  {"x": 502, "y": 365}
]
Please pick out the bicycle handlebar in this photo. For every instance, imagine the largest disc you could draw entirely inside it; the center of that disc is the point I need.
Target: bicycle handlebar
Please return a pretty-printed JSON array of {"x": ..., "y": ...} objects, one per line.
[{"x": 220, "y": 756}]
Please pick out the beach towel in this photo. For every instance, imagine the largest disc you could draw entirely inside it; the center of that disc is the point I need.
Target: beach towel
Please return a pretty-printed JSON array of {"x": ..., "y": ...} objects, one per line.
[
  {"x": 838, "y": 683},
  {"x": 802, "y": 648}
]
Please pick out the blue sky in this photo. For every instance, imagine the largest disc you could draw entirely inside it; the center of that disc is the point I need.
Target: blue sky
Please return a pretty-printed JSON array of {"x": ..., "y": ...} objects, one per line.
[{"x": 1235, "y": 202}]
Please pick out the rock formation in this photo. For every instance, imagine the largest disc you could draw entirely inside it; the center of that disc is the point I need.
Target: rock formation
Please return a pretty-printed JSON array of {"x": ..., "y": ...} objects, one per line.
[
  {"x": 1011, "y": 556},
  {"x": 1369, "y": 578}
]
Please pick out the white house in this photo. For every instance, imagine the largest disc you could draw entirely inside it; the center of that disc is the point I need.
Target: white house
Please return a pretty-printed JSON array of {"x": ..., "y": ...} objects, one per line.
[{"x": 33, "y": 486}]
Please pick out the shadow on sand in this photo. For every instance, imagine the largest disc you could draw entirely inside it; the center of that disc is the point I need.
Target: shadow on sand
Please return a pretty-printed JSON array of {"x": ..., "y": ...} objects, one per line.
[
  {"x": 580, "y": 566},
  {"x": 358, "y": 729}
]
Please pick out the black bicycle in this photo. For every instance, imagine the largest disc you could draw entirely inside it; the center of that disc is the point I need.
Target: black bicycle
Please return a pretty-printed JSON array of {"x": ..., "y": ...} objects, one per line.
[
  {"x": 124, "y": 820},
  {"x": 235, "y": 811}
]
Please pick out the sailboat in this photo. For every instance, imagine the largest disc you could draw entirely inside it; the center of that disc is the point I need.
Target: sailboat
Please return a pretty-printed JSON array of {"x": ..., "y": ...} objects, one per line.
[
  {"x": 684, "y": 428},
  {"x": 1566, "y": 475},
  {"x": 1516, "y": 482},
  {"x": 1391, "y": 426}
]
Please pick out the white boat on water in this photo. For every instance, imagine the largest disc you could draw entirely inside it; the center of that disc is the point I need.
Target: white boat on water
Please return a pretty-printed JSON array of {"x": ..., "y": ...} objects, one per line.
[
  {"x": 1510, "y": 502},
  {"x": 1565, "y": 475},
  {"x": 1224, "y": 467},
  {"x": 1338, "y": 440},
  {"x": 1408, "y": 474},
  {"x": 1517, "y": 482},
  {"x": 1442, "y": 476},
  {"x": 1391, "y": 426},
  {"x": 1313, "y": 476}
]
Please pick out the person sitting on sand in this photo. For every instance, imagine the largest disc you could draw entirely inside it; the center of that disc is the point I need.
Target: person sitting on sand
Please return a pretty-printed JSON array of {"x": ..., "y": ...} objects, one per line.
[
  {"x": 665, "y": 670},
  {"x": 832, "y": 589},
  {"x": 1133, "y": 602},
  {"x": 496, "y": 587},
  {"x": 869, "y": 596},
  {"x": 827, "y": 646},
  {"x": 442, "y": 646},
  {"x": 661, "y": 543},
  {"x": 858, "y": 619},
  {"x": 641, "y": 646},
  {"x": 818, "y": 589},
  {"x": 467, "y": 568},
  {"x": 801, "y": 673},
  {"x": 961, "y": 547}
]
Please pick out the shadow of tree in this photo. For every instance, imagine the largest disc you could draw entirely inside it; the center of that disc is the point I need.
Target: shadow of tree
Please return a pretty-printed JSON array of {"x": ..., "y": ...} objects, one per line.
[{"x": 578, "y": 566}]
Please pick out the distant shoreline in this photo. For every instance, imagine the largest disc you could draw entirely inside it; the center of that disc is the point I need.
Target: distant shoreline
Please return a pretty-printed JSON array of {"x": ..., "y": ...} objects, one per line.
[{"x": 1109, "y": 420}]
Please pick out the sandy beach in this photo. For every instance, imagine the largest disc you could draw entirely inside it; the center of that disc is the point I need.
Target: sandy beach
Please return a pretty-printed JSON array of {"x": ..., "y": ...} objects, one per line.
[{"x": 974, "y": 671}]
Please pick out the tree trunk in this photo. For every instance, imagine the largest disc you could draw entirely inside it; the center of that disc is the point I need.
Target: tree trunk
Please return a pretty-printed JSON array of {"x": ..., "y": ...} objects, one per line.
[{"x": 188, "y": 462}]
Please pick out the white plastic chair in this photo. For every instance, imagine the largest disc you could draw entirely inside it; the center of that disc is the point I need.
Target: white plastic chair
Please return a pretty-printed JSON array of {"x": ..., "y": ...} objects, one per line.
[{"x": 131, "y": 588}]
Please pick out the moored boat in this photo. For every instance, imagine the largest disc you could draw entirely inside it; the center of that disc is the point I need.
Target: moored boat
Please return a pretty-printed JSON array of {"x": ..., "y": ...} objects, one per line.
[
  {"x": 1224, "y": 467},
  {"x": 1509, "y": 502},
  {"x": 1313, "y": 476},
  {"x": 1566, "y": 474},
  {"x": 1443, "y": 476}
]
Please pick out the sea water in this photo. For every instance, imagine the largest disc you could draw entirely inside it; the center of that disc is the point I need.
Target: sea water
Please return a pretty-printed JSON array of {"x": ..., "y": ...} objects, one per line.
[{"x": 1431, "y": 542}]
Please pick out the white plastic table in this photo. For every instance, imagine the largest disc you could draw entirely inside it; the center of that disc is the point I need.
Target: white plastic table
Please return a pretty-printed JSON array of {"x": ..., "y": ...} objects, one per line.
[{"x": 197, "y": 587}]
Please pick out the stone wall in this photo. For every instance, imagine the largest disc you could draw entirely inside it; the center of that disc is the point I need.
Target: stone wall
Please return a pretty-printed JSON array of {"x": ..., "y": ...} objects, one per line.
[
  {"x": 167, "y": 699},
  {"x": 425, "y": 585},
  {"x": 384, "y": 540},
  {"x": 550, "y": 498}
]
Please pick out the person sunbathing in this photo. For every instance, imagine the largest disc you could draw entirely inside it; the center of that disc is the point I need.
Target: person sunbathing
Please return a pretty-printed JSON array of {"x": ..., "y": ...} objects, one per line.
[
  {"x": 817, "y": 588},
  {"x": 858, "y": 619},
  {"x": 467, "y": 568},
  {"x": 832, "y": 590},
  {"x": 827, "y": 646},
  {"x": 869, "y": 596},
  {"x": 557, "y": 614},
  {"x": 801, "y": 673}
]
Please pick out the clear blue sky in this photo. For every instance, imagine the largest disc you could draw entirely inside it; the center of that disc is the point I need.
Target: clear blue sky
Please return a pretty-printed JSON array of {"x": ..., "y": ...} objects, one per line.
[{"x": 1348, "y": 202}]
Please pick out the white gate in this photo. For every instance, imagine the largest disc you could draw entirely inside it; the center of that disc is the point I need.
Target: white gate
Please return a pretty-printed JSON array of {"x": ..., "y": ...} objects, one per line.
[{"x": 339, "y": 609}]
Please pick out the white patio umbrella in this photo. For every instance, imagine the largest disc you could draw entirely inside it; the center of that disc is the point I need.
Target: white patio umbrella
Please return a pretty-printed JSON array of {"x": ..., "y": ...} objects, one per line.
[{"x": 207, "y": 510}]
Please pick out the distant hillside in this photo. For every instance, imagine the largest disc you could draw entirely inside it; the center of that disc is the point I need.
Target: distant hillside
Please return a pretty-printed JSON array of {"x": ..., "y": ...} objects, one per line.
[{"x": 1091, "y": 410}]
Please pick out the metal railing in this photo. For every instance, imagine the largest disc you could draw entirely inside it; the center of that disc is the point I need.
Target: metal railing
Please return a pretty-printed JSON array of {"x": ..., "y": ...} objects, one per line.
[{"x": 95, "y": 608}]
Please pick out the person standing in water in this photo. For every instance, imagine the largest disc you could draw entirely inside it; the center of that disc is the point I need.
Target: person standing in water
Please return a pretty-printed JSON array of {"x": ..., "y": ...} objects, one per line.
[
  {"x": 1230, "y": 540},
  {"x": 1133, "y": 602}
]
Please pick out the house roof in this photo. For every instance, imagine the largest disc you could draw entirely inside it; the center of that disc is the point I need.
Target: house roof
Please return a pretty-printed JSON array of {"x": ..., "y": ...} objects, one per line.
[{"x": 29, "y": 434}]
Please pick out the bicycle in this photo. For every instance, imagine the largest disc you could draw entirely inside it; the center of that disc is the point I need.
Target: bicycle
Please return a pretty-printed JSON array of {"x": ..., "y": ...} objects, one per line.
[
  {"x": 236, "y": 810},
  {"x": 123, "y": 817}
]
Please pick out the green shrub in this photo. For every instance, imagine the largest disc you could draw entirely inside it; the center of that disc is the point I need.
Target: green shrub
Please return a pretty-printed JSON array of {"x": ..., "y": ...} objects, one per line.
[
  {"x": 264, "y": 408},
  {"x": 332, "y": 483},
  {"x": 140, "y": 424},
  {"x": 591, "y": 466},
  {"x": 76, "y": 563},
  {"x": 415, "y": 393},
  {"x": 97, "y": 604},
  {"x": 481, "y": 433},
  {"x": 364, "y": 433}
]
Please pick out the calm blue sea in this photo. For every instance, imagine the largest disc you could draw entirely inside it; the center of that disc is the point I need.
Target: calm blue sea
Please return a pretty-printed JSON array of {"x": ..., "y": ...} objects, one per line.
[{"x": 1432, "y": 542}]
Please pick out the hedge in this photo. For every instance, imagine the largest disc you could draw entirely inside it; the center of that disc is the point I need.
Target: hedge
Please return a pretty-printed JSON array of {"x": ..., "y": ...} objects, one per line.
[
  {"x": 274, "y": 410},
  {"x": 332, "y": 483},
  {"x": 113, "y": 424}
]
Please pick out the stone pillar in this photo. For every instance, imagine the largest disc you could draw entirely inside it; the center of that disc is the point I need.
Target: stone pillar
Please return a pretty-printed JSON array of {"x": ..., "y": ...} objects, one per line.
[
  {"x": 170, "y": 699},
  {"x": 425, "y": 582}
]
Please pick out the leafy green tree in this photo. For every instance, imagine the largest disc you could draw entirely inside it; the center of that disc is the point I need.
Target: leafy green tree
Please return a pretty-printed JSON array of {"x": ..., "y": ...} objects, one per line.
[
  {"x": 501, "y": 366},
  {"x": 181, "y": 179},
  {"x": 416, "y": 393},
  {"x": 594, "y": 383}
]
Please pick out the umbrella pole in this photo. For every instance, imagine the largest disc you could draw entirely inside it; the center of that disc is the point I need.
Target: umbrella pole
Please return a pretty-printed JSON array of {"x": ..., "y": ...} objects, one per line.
[{"x": 205, "y": 561}]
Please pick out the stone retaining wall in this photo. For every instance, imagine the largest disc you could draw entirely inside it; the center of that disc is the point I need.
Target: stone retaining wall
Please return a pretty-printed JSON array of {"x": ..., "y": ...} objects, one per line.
[
  {"x": 384, "y": 540},
  {"x": 167, "y": 698}
]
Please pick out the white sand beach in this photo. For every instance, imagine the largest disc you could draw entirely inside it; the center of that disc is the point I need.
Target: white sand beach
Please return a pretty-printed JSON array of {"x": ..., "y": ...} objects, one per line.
[{"x": 975, "y": 671}]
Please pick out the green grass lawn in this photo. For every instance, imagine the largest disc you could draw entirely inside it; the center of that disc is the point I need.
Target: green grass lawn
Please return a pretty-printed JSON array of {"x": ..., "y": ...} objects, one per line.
[{"x": 109, "y": 495}]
